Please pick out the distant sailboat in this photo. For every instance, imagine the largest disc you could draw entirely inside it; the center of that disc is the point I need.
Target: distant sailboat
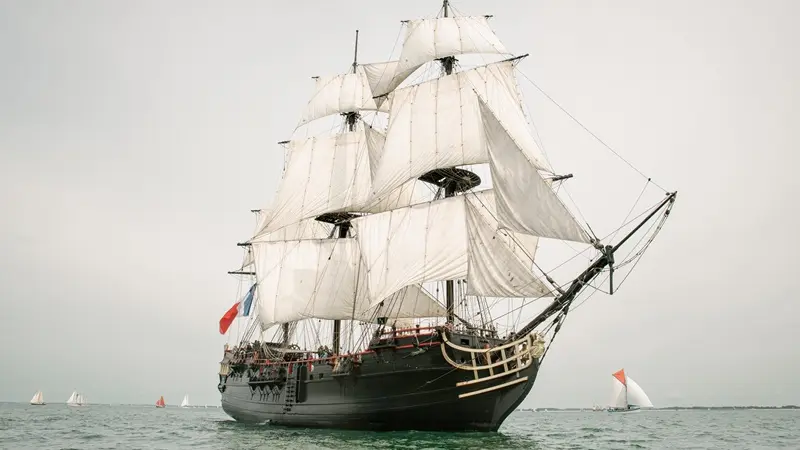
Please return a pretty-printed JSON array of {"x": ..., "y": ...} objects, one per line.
[
  {"x": 38, "y": 398},
  {"x": 627, "y": 395},
  {"x": 160, "y": 402},
  {"x": 76, "y": 399},
  {"x": 185, "y": 402}
]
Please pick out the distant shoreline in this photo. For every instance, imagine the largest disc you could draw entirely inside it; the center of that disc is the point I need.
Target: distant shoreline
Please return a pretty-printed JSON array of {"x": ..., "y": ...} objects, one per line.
[{"x": 672, "y": 408}]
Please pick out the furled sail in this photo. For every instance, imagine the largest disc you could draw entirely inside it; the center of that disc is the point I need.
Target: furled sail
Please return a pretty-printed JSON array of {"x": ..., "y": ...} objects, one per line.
[
  {"x": 493, "y": 269},
  {"x": 437, "y": 124},
  {"x": 349, "y": 92},
  {"x": 435, "y": 241},
  {"x": 323, "y": 279},
  {"x": 524, "y": 202}
]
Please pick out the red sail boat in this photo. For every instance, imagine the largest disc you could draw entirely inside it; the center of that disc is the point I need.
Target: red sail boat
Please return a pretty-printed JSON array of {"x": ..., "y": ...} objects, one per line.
[{"x": 160, "y": 402}]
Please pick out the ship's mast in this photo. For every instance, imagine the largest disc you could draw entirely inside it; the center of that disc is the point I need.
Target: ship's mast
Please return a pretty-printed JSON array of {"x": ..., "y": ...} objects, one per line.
[
  {"x": 341, "y": 221},
  {"x": 448, "y": 61},
  {"x": 450, "y": 180},
  {"x": 449, "y": 190}
]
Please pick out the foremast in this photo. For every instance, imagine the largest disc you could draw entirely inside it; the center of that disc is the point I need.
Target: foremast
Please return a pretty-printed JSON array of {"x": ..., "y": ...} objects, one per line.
[{"x": 341, "y": 220}]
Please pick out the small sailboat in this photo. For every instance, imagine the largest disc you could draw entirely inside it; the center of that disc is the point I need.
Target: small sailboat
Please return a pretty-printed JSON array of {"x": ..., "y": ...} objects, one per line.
[
  {"x": 76, "y": 399},
  {"x": 627, "y": 395},
  {"x": 160, "y": 402},
  {"x": 38, "y": 398},
  {"x": 185, "y": 402}
]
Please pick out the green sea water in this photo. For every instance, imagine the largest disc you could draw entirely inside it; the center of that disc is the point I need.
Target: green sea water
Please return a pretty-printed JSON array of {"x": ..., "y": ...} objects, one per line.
[{"x": 58, "y": 426}]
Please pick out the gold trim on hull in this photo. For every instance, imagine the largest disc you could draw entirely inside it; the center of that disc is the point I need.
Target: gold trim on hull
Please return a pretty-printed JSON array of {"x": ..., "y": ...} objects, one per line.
[{"x": 514, "y": 357}]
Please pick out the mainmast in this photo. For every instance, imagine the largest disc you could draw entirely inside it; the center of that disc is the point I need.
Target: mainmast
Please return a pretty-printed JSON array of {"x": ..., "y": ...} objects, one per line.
[
  {"x": 450, "y": 180},
  {"x": 341, "y": 221}
]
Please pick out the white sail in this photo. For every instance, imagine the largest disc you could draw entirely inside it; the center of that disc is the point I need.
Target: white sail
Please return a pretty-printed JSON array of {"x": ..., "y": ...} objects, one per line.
[
  {"x": 619, "y": 395},
  {"x": 323, "y": 175},
  {"x": 524, "y": 202},
  {"x": 437, "y": 124},
  {"x": 521, "y": 244},
  {"x": 323, "y": 279},
  {"x": 38, "y": 398},
  {"x": 430, "y": 39},
  {"x": 73, "y": 399},
  {"x": 408, "y": 303},
  {"x": 409, "y": 193},
  {"x": 636, "y": 395},
  {"x": 327, "y": 175},
  {"x": 349, "y": 92},
  {"x": 493, "y": 268},
  {"x": 185, "y": 401},
  {"x": 303, "y": 229},
  {"x": 438, "y": 241},
  {"x": 384, "y": 77}
]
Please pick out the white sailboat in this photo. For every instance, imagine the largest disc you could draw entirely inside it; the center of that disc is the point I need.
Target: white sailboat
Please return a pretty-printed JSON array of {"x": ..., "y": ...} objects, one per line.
[
  {"x": 627, "y": 395},
  {"x": 38, "y": 398},
  {"x": 76, "y": 399},
  {"x": 185, "y": 402}
]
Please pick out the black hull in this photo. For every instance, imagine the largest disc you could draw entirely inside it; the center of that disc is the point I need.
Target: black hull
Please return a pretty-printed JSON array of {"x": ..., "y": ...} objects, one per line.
[{"x": 392, "y": 389}]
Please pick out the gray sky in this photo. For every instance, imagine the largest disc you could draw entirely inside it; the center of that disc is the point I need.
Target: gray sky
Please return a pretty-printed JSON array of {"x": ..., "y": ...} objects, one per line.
[{"x": 135, "y": 137}]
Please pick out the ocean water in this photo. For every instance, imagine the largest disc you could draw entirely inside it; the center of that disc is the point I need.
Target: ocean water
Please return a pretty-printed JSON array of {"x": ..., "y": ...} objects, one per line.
[{"x": 144, "y": 427}]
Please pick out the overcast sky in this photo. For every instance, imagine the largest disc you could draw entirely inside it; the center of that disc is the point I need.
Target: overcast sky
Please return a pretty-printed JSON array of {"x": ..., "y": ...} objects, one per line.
[{"x": 136, "y": 136}]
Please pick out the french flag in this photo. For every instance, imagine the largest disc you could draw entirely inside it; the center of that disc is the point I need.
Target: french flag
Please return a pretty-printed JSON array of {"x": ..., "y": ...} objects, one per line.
[{"x": 242, "y": 306}]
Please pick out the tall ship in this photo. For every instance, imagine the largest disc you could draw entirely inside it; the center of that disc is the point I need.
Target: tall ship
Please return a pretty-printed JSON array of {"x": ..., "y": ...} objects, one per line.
[{"x": 394, "y": 281}]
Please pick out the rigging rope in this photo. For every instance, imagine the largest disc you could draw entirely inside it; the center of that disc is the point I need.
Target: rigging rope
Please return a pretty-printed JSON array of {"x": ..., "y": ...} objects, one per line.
[
  {"x": 589, "y": 131},
  {"x": 527, "y": 302}
]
